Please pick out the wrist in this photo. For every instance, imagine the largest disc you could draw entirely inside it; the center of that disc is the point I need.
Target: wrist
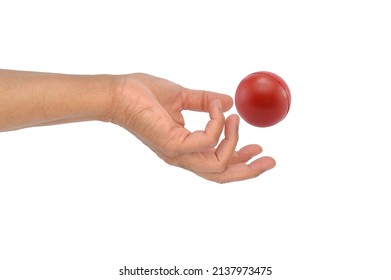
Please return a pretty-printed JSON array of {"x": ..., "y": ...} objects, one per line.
[
  {"x": 124, "y": 95},
  {"x": 113, "y": 102},
  {"x": 103, "y": 100}
]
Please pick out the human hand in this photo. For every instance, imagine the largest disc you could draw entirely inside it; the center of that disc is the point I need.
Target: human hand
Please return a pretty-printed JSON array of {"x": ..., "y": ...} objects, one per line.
[{"x": 150, "y": 108}]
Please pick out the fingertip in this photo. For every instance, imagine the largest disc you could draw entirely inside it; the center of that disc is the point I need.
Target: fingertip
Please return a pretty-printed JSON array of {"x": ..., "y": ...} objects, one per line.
[
  {"x": 271, "y": 161},
  {"x": 234, "y": 117},
  {"x": 227, "y": 102},
  {"x": 216, "y": 112},
  {"x": 252, "y": 149},
  {"x": 232, "y": 126},
  {"x": 236, "y": 120},
  {"x": 263, "y": 164}
]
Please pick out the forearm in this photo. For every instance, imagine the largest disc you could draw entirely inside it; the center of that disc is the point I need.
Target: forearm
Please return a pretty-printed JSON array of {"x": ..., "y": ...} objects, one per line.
[{"x": 32, "y": 99}]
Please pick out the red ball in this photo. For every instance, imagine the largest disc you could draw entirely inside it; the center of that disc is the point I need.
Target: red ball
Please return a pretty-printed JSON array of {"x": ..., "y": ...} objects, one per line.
[{"x": 263, "y": 99}]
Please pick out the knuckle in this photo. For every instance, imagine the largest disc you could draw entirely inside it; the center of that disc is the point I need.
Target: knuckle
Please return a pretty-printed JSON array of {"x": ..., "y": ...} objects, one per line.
[{"x": 204, "y": 101}]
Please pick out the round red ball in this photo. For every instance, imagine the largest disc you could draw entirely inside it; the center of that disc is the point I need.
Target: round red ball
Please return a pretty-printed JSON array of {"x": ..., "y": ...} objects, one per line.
[{"x": 263, "y": 99}]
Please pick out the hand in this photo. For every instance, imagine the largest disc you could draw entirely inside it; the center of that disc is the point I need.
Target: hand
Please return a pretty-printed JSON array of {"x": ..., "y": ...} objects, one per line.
[{"x": 150, "y": 108}]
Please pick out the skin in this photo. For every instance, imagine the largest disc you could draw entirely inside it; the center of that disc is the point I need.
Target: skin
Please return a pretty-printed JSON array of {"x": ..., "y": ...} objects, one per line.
[{"x": 148, "y": 107}]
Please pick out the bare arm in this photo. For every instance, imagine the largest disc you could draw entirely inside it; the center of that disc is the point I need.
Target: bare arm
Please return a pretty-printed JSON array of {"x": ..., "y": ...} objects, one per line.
[{"x": 31, "y": 99}]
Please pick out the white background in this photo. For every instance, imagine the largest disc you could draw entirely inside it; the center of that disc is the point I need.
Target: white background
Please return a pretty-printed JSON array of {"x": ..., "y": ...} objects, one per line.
[{"x": 80, "y": 201}]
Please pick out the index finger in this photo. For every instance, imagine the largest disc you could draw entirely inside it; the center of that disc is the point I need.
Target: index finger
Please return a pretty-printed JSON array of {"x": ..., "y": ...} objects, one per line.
[{"x": 200, "y": 100}]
